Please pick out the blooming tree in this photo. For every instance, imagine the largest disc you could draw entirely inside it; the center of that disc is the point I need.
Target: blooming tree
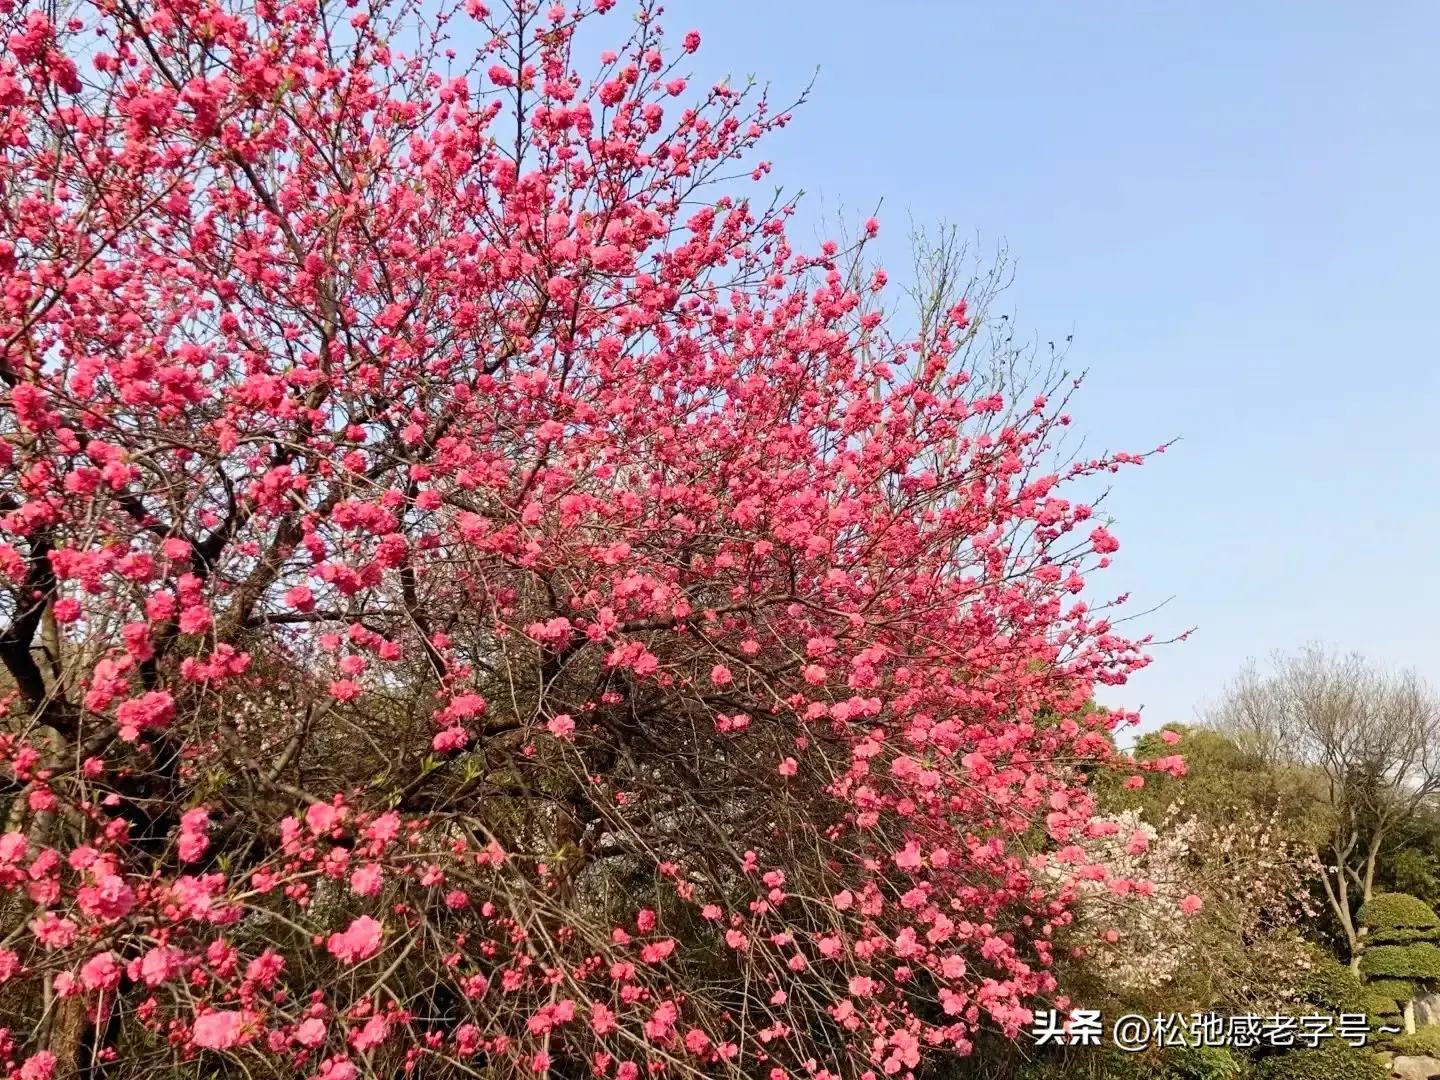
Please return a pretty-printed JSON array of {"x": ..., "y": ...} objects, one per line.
[
  {"x": 475, "y": 597},
  {"x": 1140, "y": 941},
  {"x": 1219, "y": 903}
]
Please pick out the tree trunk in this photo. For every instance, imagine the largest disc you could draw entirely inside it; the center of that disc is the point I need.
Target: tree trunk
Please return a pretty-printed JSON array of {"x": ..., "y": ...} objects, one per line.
[
  {"x": 1338, "y": 896},
  {"x": 68, "y": 1035}
]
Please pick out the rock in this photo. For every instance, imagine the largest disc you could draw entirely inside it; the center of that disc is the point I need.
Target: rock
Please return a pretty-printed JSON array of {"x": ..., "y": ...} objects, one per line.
[
  {"x": 1427, "y": 1009},
  {"x": 1415, "y": 1068}
]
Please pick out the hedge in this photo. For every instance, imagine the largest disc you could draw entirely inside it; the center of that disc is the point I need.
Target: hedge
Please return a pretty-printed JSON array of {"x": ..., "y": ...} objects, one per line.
[
  {"x": 1332, "y": 985},
  {"x": 1402, "y": 937},
  {"x": 1191, "y": 1063},
  {"x": 1391, "y": 911},
  {"x": 1331, "y": 1063},
  {"x": 1392, "y": 989},
  {"x": 1381, "y": 1010},
  {"x": 1424, "y": 1043},
  {"x": 1418, "y": 961}
]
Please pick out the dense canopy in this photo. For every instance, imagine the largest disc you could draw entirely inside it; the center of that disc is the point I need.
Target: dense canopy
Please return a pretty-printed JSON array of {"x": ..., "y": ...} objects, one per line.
[{"x": 477, "y": 598}]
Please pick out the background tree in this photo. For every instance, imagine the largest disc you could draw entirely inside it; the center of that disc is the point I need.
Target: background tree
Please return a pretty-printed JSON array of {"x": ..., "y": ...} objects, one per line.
[
  {"x": 1413, "y": 865},
  {"x": 1370, "y": 741},
  {"x": 1233, "y": 834}
]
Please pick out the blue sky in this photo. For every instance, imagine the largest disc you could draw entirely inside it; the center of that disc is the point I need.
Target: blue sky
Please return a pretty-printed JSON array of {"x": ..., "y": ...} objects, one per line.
[{"x": 1233, "y": 207}]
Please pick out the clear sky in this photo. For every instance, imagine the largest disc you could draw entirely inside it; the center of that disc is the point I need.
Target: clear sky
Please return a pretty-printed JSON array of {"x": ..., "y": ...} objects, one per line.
[{"x": 1233, "y": 207}]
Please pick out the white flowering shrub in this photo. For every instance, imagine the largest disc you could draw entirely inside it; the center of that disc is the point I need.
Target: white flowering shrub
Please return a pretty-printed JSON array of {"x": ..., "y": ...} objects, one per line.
[{"x": 1219, "y": 903}]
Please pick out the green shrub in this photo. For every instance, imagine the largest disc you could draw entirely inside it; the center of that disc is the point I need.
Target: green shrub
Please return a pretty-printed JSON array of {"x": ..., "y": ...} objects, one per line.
[
  {"x": 1177, "y": 1063},
  {"x": 1394, "y": 989},
  {"x": 1071, "y": 1064},
  {"x": 1418, "y": 961},
  {"x": 1424, "y": 1043},
  {"x": 1381, "y": 1009},
  {"x": 1331, "y": 1063},
  {"x": 1380, "y": 1002},
  {"x": 1401, "y": 937},
  {"x": 1396, "y": 910},
  {"x": 1198, "y": 1063},
  {"x": 1332, "y": 986},
  {"x": 1414, "y": 873}
]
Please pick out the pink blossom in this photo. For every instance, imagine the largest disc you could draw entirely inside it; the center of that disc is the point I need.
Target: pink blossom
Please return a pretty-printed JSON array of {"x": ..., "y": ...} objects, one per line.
[
  {"x": 194, "y": 896},
  {"x": 366, "y": 880},
  {"x": 450, "y": 740},
  {"x": 13, "y": 846},
  {"x": 345, "y": 689},
  {"x": 1102, "y": 541},
  {"x": 338, "y": 1067},
  {"x": 218, "y": 1030},
  {"x": 359, "y": 941},
  {"x": 158, "y": 965},
  {"x": 371, "y": 1035},
  {"x": 465, "y": 706},
  {"x": 196, "y": 820},
  {"x": 101, "y": 972},
  {"x": 861, "y": 986},
  {"x": 696, "y": 1041},
  {"x": 662, "y": 1020},
  {"x": 602, "y": 1019},
  {"x": 467, "y": 1039},
  {"x": 194, "y": 620},
  {"x": 53, "y": 931},
  {"x": 321, "y": 817},
  {"x": 300, "y": 598},
  {"x": 562, "y": 725},
  {"x": 384, "y": 828},
  {"x": 110, "y": 898},
  {"x": 908, "y": 858},
  {"x": 155, "y": 709},
  {"x": 191, "y": 846},
  {"x": 311, "y": 1033},
  {"x": 193, "y": 842},
  {"x": 265, "y": 968}
]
